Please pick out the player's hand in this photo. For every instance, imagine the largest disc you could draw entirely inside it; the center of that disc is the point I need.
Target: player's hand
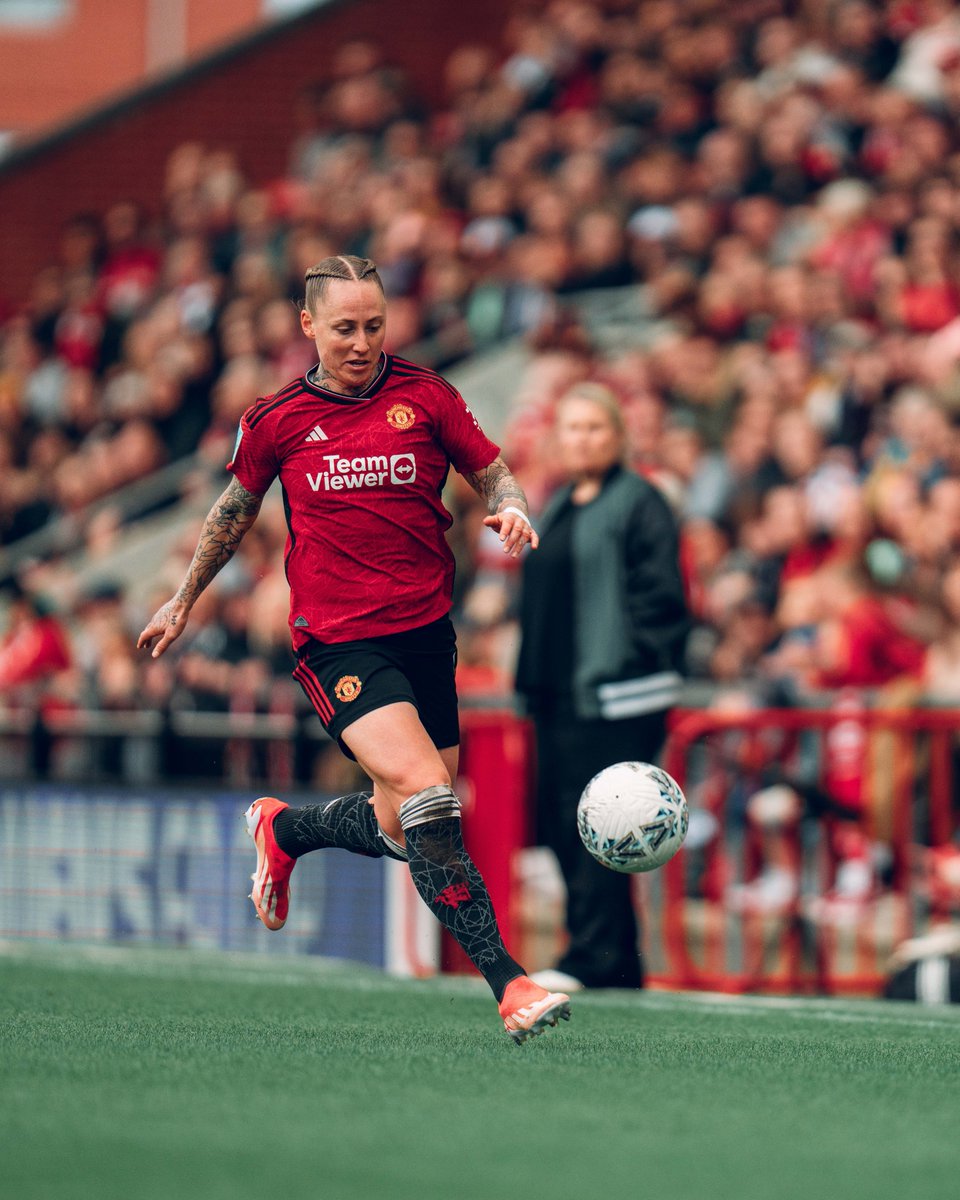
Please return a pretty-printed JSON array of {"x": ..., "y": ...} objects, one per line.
[
  {"x": 167, "y": 623},
  {"x": 514, "y": 530}
]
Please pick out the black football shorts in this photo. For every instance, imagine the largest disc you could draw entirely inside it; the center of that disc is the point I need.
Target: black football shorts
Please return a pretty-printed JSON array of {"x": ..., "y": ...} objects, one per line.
[{"x": 344, "y": 680}]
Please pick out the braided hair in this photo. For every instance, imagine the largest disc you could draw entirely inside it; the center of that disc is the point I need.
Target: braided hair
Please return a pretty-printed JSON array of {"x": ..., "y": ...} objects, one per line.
[{"x": 338, "y": 266}]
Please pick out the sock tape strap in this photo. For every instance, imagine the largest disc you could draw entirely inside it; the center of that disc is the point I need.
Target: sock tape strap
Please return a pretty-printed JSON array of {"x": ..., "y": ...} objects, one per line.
[{"x": 431, "y": 804}]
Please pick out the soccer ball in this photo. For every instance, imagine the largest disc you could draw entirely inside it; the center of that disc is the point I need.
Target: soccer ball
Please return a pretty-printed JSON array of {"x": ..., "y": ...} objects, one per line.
[{"x": 632, "y": 817}]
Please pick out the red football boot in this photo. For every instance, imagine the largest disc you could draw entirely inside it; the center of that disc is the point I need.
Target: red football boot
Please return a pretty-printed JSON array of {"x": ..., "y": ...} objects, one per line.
[
  {"x": 527, "y": 1009},
  {"x": 271, "y": 881}
]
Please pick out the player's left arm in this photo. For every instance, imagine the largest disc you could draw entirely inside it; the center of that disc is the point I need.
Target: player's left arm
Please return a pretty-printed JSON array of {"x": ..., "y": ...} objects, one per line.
[{"x": 507, "y": 506}]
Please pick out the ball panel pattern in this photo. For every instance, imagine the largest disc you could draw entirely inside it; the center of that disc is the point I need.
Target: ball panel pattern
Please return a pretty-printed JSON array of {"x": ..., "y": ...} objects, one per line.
[{"x": 632, "y": 817}]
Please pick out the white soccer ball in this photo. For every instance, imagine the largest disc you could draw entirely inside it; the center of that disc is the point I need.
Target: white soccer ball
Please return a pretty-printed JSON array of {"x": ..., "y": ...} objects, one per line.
[{"x": 632, "y": 817}]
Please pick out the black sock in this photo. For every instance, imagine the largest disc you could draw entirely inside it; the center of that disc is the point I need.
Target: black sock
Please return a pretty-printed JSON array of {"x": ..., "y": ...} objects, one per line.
[
  {"x": 448, "y": 880},
  {"x": 348, "y": 822}
]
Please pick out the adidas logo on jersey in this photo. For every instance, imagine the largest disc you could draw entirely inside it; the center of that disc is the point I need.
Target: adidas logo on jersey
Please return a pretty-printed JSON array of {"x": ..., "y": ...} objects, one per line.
[{"x": 316, "y": 434}]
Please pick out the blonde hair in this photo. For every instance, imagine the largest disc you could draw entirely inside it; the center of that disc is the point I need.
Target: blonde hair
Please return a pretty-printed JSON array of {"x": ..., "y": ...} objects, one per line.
[
  {"x": 337, "y": 266},
  {"x": 604, "y": 398}
]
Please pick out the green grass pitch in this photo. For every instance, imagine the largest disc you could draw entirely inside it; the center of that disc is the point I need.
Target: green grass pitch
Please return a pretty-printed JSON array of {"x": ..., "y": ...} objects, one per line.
[{"x": 162, "y": 1075}]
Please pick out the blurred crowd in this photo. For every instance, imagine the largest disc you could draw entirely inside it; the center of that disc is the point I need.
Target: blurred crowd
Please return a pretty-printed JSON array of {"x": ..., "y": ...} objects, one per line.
[{"x": 779, "y": 185}]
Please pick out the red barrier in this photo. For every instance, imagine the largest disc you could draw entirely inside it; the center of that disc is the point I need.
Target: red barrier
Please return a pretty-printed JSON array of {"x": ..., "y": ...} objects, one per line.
[
  {"x": 875, "y": 793},
  {"x": 872, "y": 799}
]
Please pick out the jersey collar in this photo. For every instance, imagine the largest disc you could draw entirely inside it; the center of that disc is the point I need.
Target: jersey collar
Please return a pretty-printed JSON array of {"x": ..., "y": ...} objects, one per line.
[{"x": 374, "y": 386}]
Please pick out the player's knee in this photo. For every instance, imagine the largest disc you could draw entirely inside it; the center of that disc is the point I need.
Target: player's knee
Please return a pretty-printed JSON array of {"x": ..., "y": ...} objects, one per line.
[{"x": 404, "y": 781}]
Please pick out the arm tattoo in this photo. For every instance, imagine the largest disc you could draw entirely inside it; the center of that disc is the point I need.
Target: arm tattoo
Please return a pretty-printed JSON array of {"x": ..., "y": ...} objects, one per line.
[
  {"x": 497, "y": 486},
  {"x": 222, "y": 533}
]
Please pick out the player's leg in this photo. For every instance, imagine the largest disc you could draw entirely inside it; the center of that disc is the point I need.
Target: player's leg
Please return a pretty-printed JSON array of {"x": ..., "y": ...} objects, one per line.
[
  {"x": 413, "y": 782},
  {"x": 283, "y": 834},
  {"x": 346, "y": 822},
  {"x": 362, "y": 822},
  {"x": 341, "y": 682},
  {"x": 387, "y": 819}
]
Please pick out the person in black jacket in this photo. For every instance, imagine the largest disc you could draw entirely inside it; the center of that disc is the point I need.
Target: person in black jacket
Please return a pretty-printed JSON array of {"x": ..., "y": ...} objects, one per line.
[{"x": 603, "y": 623}]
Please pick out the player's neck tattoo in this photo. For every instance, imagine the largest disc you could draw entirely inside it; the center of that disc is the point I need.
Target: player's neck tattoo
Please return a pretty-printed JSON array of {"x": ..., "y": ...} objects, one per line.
[{"x": 321, "y": 377}]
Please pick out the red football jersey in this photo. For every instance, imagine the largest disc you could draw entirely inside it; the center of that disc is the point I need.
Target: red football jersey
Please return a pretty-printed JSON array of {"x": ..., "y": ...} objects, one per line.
[{"x": 362, "y": 475}]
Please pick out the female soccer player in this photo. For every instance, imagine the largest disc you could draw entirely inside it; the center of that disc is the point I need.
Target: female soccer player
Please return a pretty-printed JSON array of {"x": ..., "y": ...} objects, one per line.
[{"x": 362, "y": 445}]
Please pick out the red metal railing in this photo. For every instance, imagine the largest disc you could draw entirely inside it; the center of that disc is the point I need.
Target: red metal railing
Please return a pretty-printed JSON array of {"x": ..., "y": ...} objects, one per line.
[{"x": 813, "y": 939}]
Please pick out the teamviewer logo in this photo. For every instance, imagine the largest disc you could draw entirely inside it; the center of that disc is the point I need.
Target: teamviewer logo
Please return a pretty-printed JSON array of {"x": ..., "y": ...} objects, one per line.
[{"x": 403, "y": 468}]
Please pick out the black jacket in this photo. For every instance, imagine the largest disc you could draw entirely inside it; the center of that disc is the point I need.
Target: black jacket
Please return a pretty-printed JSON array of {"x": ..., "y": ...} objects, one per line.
[{"x": 630, "y": 617}]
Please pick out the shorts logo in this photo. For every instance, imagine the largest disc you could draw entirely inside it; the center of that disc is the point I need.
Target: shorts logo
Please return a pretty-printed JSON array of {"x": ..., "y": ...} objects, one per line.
[
  {"x": 348, "y": 688},
  {"x": 401, "y": 416}
]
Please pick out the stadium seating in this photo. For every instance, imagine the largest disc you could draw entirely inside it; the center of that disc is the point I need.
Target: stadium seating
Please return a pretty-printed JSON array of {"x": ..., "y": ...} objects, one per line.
[{"x": 745, "y": 226}]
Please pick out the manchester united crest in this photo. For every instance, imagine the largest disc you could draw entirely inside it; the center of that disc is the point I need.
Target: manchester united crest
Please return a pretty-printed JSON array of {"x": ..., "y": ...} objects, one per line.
[
  {"x": 401, "y": 417},
  {"x": 348, "y": 688}
]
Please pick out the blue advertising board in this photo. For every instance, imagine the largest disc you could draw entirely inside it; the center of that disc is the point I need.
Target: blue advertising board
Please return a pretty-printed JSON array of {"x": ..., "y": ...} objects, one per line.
[{"x": 167, "y": 867}]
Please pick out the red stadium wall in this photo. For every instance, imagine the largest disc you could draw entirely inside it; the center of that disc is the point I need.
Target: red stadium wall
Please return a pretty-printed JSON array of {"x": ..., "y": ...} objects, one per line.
[
  {"x": 99, "y": 47},
  {"x": 242, "y": 99}
]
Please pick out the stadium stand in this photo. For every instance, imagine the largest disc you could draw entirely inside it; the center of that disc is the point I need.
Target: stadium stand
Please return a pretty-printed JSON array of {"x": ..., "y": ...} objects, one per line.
[{"x": 742, "y": 216}]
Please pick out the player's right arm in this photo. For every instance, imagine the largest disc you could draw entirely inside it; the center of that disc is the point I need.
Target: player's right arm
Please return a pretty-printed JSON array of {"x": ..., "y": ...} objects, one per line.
[{"x": 227, "y": 522}]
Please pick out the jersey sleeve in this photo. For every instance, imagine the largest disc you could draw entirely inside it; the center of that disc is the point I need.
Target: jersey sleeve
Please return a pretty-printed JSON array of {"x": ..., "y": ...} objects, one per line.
[
  {"x": 466, "y": 445},
  {"x": 254, "y": 461}
]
